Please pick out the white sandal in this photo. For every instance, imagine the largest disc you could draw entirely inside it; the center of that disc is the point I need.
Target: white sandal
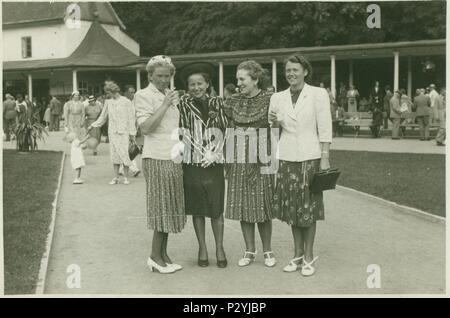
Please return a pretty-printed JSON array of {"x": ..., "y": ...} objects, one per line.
[
  {"x": 245, "y": 261},
  {"x": 307, "y": 268},
  {"x": 269, "y": 261},
  {"x": 293, "y": 266},
  {"x": 114, "y": 181}
]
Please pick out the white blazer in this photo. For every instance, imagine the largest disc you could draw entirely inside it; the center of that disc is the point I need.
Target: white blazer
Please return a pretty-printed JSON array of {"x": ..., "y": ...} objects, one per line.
[{"x": 304, "y": 127}]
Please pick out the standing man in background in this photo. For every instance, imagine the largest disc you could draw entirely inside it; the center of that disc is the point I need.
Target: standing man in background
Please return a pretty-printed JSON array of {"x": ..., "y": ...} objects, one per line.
[
  {"x": 395, "y": 114},
  {"x": 440, "y": 137},
  {"x": 55, "y": 112},
  {"x": 422, "y": 105},
  {"x": 9, "y": 115},
  {"x": 434, "y": 96},
  {"x": 129, "y": 92},
  {"x": 376, "y": 107},
  {"x": 387, "y": 109}
]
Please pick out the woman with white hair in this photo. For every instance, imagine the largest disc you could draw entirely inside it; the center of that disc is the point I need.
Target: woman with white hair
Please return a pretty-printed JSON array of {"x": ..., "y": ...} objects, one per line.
[
  {"x": 121, "y": 128},
  {"x": 158, "y": 118},
  {"x": 74, "y": 115}
]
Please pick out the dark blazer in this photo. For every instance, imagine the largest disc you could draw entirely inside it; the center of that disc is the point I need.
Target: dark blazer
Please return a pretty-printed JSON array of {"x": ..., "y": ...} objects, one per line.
[
  {"x": 55, "y": 107},
  {"x": 376, "y": 98},
  {"x": 422, "y": 104}
]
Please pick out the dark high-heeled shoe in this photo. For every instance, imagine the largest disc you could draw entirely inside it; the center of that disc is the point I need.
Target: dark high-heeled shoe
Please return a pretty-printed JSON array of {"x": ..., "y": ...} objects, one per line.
[
  {"x": 222, "y": 263},
  {"x": 203, "y": 262}
]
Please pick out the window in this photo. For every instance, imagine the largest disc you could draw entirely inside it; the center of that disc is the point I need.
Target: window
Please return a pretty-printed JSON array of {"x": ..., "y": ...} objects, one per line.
[
  {"x": 26, "y": 47},
  {"x": 83, "y": 87}
]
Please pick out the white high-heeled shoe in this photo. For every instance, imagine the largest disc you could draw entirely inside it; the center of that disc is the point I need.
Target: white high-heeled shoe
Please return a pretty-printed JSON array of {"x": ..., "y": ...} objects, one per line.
[
  {"x": 161, "y": 269},
  {"x": 307, "y": 268},
  {"x": 176, "y": 267},
  {"x": 248, "y": 258},
  {"x": 269, "y": 259},
  {"x": 293, "y": 266}
]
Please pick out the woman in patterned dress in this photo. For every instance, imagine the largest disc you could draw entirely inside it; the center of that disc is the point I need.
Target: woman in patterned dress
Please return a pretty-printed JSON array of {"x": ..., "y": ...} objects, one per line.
[
  {"x": 250, "y": 192},
  {"x": 92, "y": 111},
  {"x": 74, "y": 115},
  {"x": 158, "y": 119},
  {"x": 303, "y": 114},
  {"x": 204, "y": 183},
  {"x": 121, "y": 128}
]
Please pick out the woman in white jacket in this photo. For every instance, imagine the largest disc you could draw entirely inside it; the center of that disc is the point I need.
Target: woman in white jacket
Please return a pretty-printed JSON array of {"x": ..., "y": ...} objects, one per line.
[{"x": 302, "y": 113}]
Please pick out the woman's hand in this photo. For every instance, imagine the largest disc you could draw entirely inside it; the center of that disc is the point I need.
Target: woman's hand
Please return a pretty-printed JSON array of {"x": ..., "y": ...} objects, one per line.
[
  {"x": 209, "y": 158},
  {"x": 272, "y": 116},
  {"x": 171, "y": 98},
  {"x": 324, "y": 162}
]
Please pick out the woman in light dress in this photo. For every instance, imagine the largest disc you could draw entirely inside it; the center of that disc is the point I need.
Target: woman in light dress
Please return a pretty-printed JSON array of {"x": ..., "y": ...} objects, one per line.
[
  {"x": 121, "y": 128},
  {"x": 74, "y": 115}
]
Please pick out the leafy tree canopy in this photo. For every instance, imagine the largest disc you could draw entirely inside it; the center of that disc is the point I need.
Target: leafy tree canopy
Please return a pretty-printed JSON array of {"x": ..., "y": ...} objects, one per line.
[{"x": 197, "y": 27}]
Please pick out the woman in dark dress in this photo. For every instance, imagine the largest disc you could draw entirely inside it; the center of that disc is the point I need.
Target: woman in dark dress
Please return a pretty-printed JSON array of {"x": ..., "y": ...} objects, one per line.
[{"x": 204, "y": 184}]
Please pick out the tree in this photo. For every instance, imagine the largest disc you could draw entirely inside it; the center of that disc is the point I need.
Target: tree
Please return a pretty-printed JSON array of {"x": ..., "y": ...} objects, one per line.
[{"x": 196, "y": 27}]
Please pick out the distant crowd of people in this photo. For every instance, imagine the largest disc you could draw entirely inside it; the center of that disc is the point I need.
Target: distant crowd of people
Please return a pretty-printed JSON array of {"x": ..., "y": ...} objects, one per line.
[{"x": 428, "y": 106}]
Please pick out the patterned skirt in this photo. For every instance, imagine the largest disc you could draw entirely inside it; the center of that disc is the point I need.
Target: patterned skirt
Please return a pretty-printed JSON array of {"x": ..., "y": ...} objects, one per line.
[
  {"x": 118, "y": 145},
  {"x": 204, "y": 190},
  {"x": 74, "y": 125},
  {"x": 249, "y": 193},
  {"x": 293, "y": 202},
  {"x": 165, "y": 196}
]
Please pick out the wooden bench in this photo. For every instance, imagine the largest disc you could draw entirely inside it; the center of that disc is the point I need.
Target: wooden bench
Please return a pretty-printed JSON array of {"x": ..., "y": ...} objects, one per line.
[
  {"x": 410, "y": 122},
  {"x": 356, "y": 120}
]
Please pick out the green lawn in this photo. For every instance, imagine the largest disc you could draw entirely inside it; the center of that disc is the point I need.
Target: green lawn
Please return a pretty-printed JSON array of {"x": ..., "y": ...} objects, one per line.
[
  {"x": 415, "y": 180},
  {"x": 29, "y": 184}
]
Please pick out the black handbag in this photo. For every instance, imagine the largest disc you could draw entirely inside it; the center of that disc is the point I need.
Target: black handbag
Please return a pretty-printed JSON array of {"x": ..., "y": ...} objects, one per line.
[
  {"x": 324, "y": 180},
  {"x": 134, "y": 150}
]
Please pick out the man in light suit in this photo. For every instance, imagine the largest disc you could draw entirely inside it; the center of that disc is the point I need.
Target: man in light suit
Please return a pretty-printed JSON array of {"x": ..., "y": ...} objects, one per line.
[
  {"x": 395, "y": 114},
  {"x": 422, "y": 105},
  {"x": 434, "y": 96},
  {"x": 440, "y": 136}
]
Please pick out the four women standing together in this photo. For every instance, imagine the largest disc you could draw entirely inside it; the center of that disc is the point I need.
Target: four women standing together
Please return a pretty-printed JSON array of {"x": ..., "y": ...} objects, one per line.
[{"x": 196, "y": 185}]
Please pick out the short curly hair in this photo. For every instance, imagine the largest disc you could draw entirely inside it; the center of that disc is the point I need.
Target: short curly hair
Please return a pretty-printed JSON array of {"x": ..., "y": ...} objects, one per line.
[
  {"x": 152, "y": 67},
  {"x": 256, "y": 72},
  {"x": 111, "y": 87}
]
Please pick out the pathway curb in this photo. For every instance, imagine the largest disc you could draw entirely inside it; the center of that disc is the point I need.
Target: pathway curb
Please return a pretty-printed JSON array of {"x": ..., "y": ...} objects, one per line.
[
  {"x": 403, "y": 208},
  {"x": 45, "y": 257}
]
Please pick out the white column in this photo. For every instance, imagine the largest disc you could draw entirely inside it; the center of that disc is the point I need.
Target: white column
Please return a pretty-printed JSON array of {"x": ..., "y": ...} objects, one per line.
[
  {"x": 350, "y": 72},
  {"x": 138, "y": 79},
  {"x": 30, "y": 86},
  {"x": 274, "y": 74},
  {"x": 172, "y": 82},
  {"x": 409, "y": 77},
  {"x": 74, "y": 80},
  {"x": 333, "y": 75},
  {"x": 396, "y": 70},
  {"x": 221, "y": 79}
]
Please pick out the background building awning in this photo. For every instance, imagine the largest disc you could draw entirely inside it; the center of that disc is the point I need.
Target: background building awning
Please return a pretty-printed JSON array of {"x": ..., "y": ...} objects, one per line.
[
  {"x": 319, "y": 53},
  {"x": 98, "y": 49}
]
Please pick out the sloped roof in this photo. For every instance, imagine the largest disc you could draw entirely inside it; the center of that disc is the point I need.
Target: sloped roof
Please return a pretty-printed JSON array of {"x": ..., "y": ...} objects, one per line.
[
  {"x": 98, "y": 49},
  {"x": 19, "y": 13}
]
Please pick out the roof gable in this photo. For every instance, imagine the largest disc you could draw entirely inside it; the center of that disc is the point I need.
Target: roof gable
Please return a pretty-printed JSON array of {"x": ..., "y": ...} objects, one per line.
[{"x": 20, "y": 13}]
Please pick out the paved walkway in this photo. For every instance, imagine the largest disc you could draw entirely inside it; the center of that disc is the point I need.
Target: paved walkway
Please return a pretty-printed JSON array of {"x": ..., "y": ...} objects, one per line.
[{"x": 102, "y": 229}]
